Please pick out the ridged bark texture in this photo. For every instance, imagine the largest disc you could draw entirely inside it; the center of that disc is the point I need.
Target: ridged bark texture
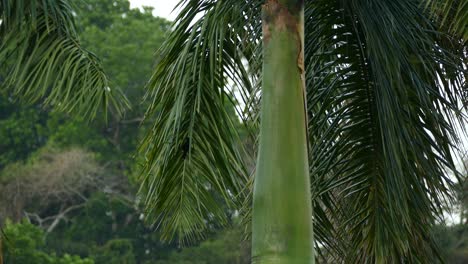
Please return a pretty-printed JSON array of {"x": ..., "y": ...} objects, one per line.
[{"x": 282, "y": 210}]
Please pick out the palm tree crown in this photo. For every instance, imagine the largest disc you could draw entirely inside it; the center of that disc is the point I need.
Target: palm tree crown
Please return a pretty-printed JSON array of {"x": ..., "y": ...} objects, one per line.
[
  {"x": 386, "y": 88},
  {"x": 384, "y": 91}
]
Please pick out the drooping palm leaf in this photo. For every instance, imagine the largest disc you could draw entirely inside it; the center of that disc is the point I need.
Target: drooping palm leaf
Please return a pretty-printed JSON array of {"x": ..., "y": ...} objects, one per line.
[
  {"x": 43, "y": 59},
  {"x": 381, "y": 110},
  {"x": 193, "y": 157},
  {"x": 383, "y": 97},
  {"x": 451, "y": 14}
]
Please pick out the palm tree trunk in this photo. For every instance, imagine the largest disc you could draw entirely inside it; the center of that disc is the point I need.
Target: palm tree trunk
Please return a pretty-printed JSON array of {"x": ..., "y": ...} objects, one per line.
[{"x": 282, "y": 210}]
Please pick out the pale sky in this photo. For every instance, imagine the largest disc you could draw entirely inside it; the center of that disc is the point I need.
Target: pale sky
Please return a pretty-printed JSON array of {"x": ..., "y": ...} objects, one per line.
[{"x": 162, "y": 8}]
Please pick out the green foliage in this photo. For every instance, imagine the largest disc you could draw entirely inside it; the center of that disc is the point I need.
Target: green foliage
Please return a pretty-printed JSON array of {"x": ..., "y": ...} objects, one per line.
[
  {"x": 383, "y": 103},
  {"x": 102, "y": 218},
  {"x": 25, "y": 244},
  {"x": 65, "y": 132},
  {"x": 452, "y": 235},
  {"x": 22, "y": 130},
  {"x": 227, "y": 247},
  {"x": 384, "y": 90},
  {"x": 452, "y": 14},
  {"x": 25, "y": 128},
  {"x": 192, "y": 153},
  {"x": 115, "y": 251},
  {"x": 125, "y": 40},
  {"x": 107, "y": 227},
  {"x": 453, "y": 242},
  {"x": 381, "y": 126},
  {"x": 49, "y": 63}
]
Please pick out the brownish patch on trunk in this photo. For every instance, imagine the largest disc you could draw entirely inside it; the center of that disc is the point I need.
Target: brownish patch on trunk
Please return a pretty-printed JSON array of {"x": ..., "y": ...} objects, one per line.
[{"x": 276, "y": 16}]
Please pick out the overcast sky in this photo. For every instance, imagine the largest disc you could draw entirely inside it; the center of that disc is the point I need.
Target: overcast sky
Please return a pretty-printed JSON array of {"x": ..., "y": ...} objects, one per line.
[{"x": 162, "y": 8}]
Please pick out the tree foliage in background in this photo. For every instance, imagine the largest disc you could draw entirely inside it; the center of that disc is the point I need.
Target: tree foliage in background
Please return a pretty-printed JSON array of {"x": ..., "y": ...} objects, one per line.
[
  {"x": 96, "y": 217},
  {"x": 22, "y": 130},
  {"x": 125, "y": 41},
  {"x": 50, "y": 184},
  {"x": 25, "y": 244},
  {"x": 223, "y": 248},
  {"x": 452, "y": 233}
]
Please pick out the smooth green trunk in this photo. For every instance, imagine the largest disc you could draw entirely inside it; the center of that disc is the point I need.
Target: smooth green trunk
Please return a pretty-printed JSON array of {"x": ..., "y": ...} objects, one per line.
[{"x": 282, "y": 210}]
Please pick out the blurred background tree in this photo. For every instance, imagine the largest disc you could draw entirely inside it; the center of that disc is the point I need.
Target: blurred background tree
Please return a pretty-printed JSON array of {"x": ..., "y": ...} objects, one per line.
[
  {"x": 452, "y": 232},
  {"x": 66, "y": 185}
]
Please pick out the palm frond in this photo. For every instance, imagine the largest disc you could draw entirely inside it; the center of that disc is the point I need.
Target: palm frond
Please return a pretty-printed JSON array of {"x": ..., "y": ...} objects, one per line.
[
  {"x": 384, "y": 93},
  {"x": 382, "y": 114},
  {"x": 44, "y": 61},
  {"x": 451, "y": 14},
  {"x": 194, "y": 165}
]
